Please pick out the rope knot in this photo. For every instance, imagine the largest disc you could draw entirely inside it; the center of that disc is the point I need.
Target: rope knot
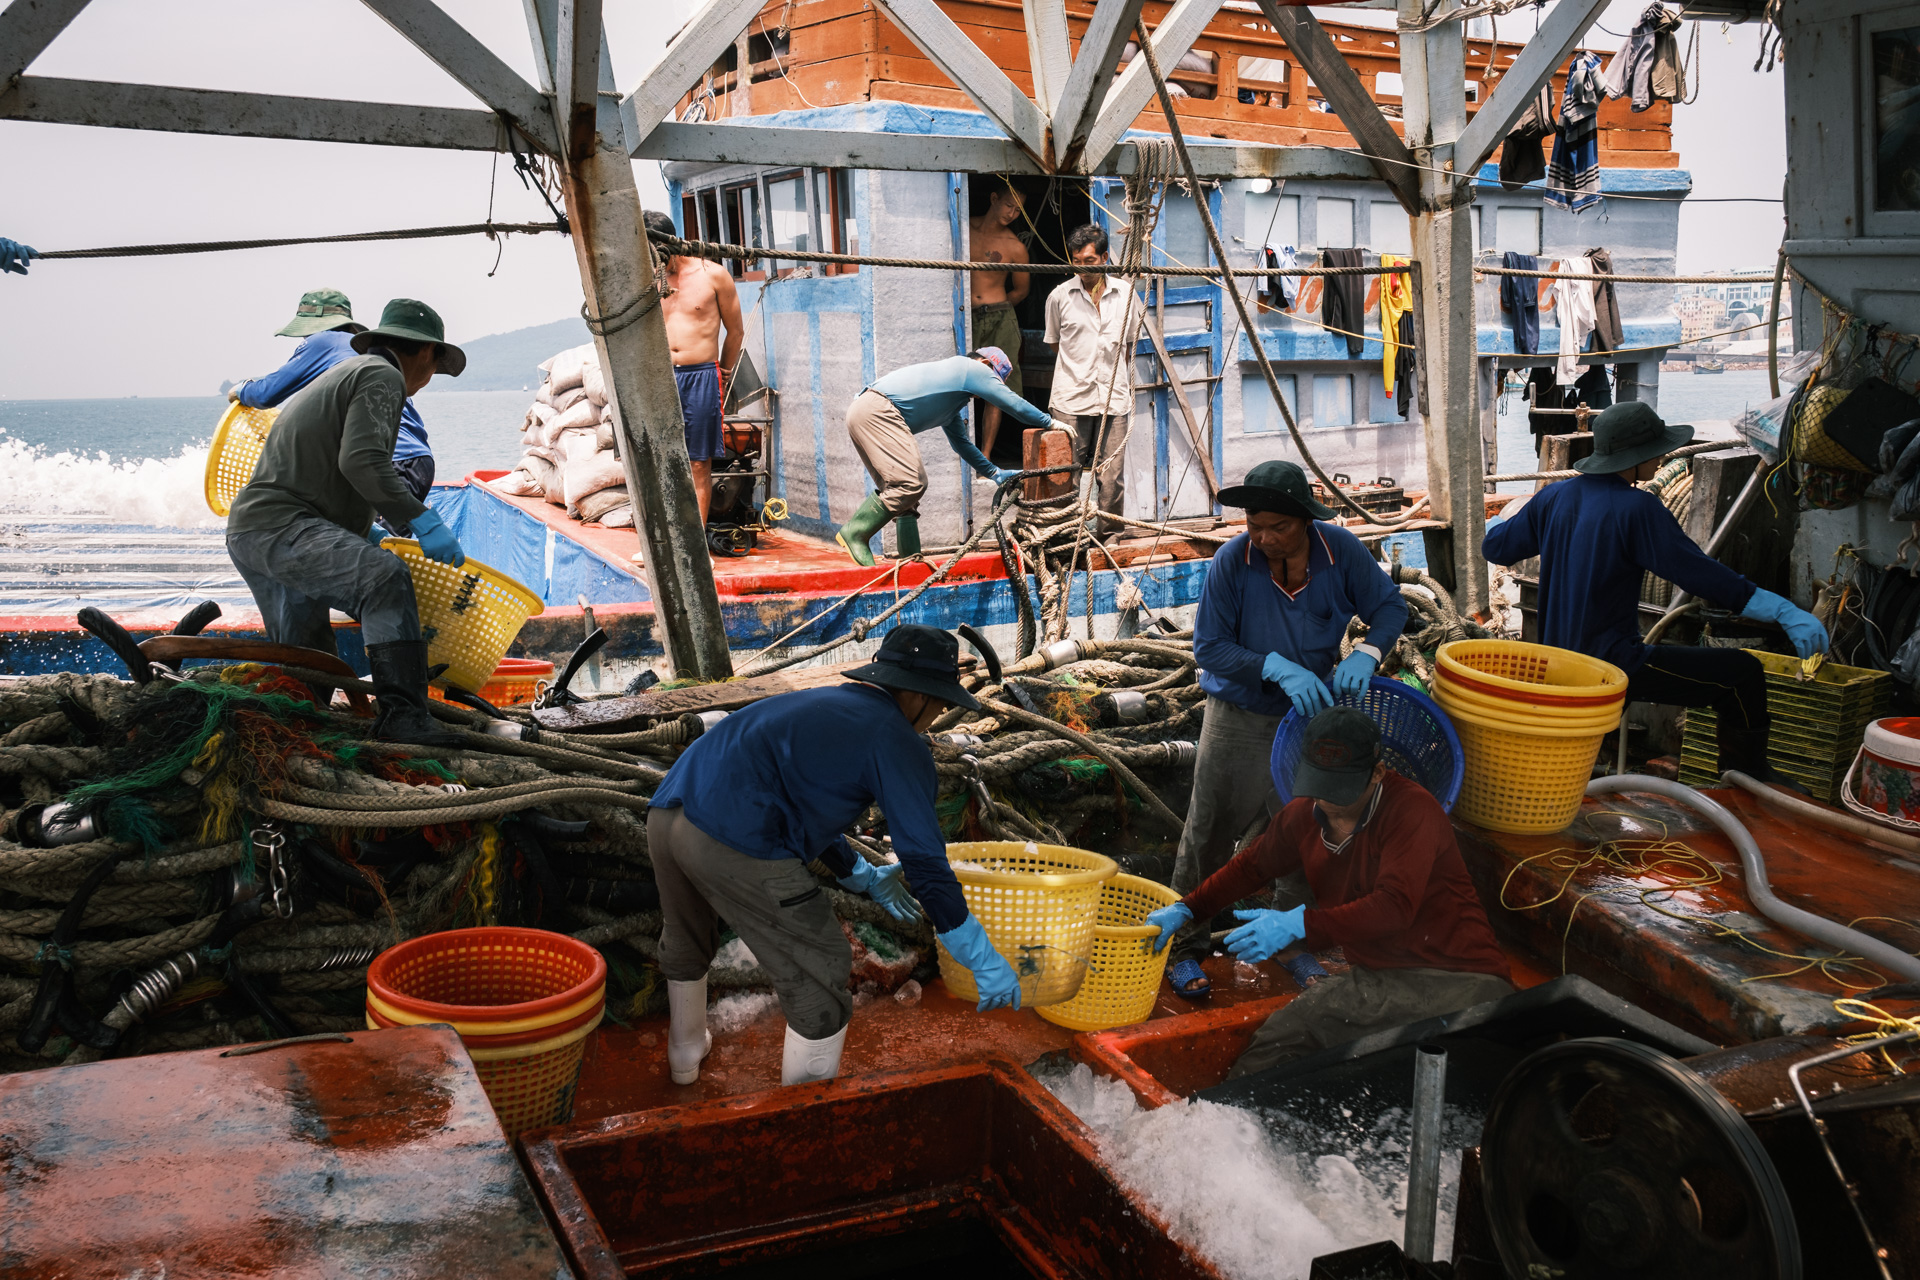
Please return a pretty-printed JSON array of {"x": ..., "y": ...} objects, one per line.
[
  {"x": 52, "y": 952},
  {"x": 216, "y": 955}
]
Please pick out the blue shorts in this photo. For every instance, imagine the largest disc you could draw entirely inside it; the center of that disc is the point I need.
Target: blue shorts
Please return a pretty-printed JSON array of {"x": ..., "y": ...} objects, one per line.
[{"x": 700, "y": 409}]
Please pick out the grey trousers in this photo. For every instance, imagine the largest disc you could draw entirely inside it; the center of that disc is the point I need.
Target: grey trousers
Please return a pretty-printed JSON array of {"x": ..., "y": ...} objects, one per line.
[
  {"x": 1109, "y": 475},
  {"x": 1231, "y": 788},
  {"x": 1349, "y": 1005},
  {"x": 333, "y": 569},
  {"x": 885, "y": 444},
  {"x": 774, "y": 904}
]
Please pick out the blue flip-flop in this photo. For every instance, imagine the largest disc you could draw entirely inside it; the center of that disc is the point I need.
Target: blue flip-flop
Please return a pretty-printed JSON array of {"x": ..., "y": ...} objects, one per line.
[{"x": 1183, "y": 972}]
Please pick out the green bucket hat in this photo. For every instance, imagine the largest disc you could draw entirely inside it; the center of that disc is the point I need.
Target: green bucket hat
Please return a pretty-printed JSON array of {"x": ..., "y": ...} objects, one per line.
[
  {"x": 319, "y": 311},
  {"x": 1629, "y": 434},
  {"x": 412, "y": 321},
  {"x": 1279, "y": 487}
]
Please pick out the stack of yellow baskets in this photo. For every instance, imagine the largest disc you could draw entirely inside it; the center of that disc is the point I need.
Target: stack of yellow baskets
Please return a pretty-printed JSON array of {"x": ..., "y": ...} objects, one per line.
[
  {"x": 1039, "y": 904},
  {"x": 1530, "y": 720}
]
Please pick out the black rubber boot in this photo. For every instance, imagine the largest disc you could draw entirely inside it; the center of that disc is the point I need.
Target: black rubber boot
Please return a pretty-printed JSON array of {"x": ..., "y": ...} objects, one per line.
[{"x": 400, "y": 686}]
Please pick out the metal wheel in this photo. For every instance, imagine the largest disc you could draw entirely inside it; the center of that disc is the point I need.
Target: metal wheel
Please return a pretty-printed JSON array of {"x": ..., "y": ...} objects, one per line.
[{"x": 1605, "y": 1158}]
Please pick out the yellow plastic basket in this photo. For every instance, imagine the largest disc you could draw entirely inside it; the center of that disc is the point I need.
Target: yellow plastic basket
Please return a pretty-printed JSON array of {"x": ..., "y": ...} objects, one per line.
[
  {"x": 1039, "y": 904},
  {"x": 1123, "y": 973},
  {"x": 1531, "y": 672},
  {"x": 1525, "y": 715},
  {"x": 468, "y": 615},
  {"x": 1523, "y": 781},
  {"x": 237, "y": 442}
]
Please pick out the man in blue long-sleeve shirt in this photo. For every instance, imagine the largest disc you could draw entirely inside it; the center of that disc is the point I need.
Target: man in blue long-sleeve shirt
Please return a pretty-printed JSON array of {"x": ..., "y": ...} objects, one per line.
[
  {"x": 884, "y": 419},
  {"x": 774, "y": 786},
  {"x": 1597, "y": 534},
  {"x": 1273, "y": 612},
  {"x": 324, "y": 320}
]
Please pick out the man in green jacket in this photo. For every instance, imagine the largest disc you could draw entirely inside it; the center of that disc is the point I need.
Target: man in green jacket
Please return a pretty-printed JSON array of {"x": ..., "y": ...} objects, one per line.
[{"x": 299, "y": 531}]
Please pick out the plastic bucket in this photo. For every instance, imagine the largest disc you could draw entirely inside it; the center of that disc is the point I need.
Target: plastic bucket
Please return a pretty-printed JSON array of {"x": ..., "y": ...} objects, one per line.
[
  {"x": 1039, "y": 904},
  {"x": 1522, "y": 780},
  {"x": 515, "y": 681},
  {"x": 1537, "y": 674},
  {"x": 523, "y": 1001},
  {"x": 1123, "y": 971},
  {"x": 469, "y": 615}
]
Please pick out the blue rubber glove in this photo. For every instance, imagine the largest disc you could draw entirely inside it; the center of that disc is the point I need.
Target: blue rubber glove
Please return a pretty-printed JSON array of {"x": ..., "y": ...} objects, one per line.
[
  {"x": 1308, "y": 691},
  {"x": 1808, "y": 636},
  {"x": 967, "y": 942},
  {"x": 1352, "y": 674},
  {"x": 378, "y": 534},
  {"x": 1169, "y": 921},
  {"x": 1266, "y": 932},
  {"x": 437, "y": 540},
  {"x": 1001, "y": 476},
  {"x": 885, "y": 886},
  {"x": 14, "y": 256}
]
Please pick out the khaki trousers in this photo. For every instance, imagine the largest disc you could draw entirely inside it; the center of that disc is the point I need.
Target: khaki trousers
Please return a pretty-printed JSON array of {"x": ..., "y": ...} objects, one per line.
[
  {"x": 1350, "y": 1005},
  {"x": 886, "y": 448}
]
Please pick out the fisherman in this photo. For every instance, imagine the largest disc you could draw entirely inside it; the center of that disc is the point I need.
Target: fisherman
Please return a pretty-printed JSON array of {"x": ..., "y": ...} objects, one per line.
[
  {"x": 1273, "y": 611},
  {"x": 324, "y": 322},
  {"x": 885, "y": 417},
  {"x": 1389, "y": 887},
  {"x": 697, "y": 297},
  {"x": 298, "y": 531},
  {"x": 14, "y": 256},
  {"x": 1088, "y": 322},
  {"x": 1597, "y": 535},
  {"x": 995, "y": 294},
  {"x": 743, "y": 810}
]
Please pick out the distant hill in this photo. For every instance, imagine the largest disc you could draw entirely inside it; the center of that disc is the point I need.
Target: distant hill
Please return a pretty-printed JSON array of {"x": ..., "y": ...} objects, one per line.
[{"x": 510, "y": 361}]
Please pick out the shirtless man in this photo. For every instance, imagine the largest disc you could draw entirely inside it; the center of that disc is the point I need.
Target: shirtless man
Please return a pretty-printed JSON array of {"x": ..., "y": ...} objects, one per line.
[
  {"x": 697, "y": 297},
  {"x": 996, "y": 293}
]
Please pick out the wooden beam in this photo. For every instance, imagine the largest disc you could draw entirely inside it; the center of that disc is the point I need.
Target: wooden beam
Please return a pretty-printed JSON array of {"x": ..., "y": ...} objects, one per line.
[
  {"x": 1349, "y": 99},
  {"x": 27, "y": 27},
  {"x": 1134, "y": 89},
  {"x": 543, "y": 28},
  {"x": 1049, "y": 52},
  {"x": 1558, "y": 36},
  {"x": 1100, "y": 49},
  {"x": 576, "y": 74},
  {"x": 971, "y": 70},
  {"x": 702, "y": 42},
  {"x": 478, "y": 70},
  {"x": 622, "y": 715},
  {"x": 111, "y": 105}
]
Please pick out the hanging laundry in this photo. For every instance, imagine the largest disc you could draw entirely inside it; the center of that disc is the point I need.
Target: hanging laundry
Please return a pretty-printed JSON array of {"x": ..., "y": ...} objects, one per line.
[
  {"x": 1649, "y": 67},
  {"x": 1520, "y": 299},
  {"x": 1279, "y": 291},
  {"x": 1545, "y": 393},
  {"x": 1521, "y": 159},
  {"x": 1608, "y": 330},
  {"x": 1573, "y": 175},
  {"x": 1396, "y": 300},
  {"x": 1593, "y": 388},
  {"x": 1669, "y": 77},
  {"x": 1406, "y": 366},
  {"x": 1573, "y": 311},
  {"x": 1343, "y": 304}
]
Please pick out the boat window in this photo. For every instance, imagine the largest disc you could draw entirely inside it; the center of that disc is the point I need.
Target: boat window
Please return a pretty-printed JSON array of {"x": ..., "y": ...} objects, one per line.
[
  {"x": 844, "y": 215},
  {"x": 1516, "y": 230},
  {"x": 1185, "y": 242},
  {"x": 743, "y": 227},
  {"x": 1336, "y": 223},
  {"x": 787, "y": 211},
  {"x": 1333, "y": 400},
  {"x": 1390, "y": 231},
  {"x": 1263, "y": 81},
  {"x": 1258, "y": 414},
  {"x": 1272, "y": 219}
]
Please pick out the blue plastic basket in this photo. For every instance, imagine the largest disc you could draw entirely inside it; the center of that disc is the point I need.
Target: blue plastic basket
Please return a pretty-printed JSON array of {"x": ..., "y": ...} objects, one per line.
[{"x": 1416, "y": 739}]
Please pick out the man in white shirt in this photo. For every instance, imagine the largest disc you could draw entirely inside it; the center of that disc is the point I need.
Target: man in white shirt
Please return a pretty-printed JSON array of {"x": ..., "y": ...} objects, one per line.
[{"x": 1090, "y": 324}]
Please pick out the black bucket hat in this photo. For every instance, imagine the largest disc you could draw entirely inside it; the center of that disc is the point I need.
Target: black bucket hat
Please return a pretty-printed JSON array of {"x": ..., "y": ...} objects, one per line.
[
  {"x": 1336, "y": 760},
  {"x": 920, "y": 660},
  {"x": 1279, "y": 487},
  {"x": 1629, "y": 434},
  {"x": 413, "y": 321}
]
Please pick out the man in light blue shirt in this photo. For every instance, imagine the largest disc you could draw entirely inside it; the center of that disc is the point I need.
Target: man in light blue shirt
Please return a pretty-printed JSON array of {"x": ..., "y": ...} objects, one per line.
[
  {"x": 884, "y": 419},
  {"x": 325, "y": 321}
]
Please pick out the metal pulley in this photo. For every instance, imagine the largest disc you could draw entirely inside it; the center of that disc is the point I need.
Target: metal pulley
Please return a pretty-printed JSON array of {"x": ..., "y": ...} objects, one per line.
[{"x": 44, "y": 826}]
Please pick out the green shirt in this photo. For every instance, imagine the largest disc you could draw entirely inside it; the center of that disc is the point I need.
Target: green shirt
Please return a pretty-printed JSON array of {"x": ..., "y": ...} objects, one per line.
[{"x": 330, "y": 454}]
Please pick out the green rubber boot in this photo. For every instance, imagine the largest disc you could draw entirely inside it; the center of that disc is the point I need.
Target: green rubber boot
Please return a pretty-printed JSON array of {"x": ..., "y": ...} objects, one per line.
[
  {"x": 906, "y": 532},
  {"x": 867, "y": 521}
]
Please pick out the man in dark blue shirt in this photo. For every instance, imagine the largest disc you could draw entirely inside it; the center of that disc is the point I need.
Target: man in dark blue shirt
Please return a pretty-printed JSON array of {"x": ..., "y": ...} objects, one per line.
[
  {"x": 1267, "y": 635},
  {"x": 1597, "y": 535},
  {"x": 775, "y": 786},
  {"x": 325, "y": 321}
]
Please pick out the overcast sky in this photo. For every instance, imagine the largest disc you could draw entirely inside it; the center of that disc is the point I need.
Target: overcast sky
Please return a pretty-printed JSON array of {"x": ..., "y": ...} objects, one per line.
[{"x": 179, "y": 326}]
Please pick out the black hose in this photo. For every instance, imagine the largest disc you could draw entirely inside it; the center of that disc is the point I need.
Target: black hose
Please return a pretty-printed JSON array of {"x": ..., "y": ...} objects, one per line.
[
  {"x": 55, "y": 1000},
  {"x": 118, "y": 639},
  {"x": 198, "y": 618}
]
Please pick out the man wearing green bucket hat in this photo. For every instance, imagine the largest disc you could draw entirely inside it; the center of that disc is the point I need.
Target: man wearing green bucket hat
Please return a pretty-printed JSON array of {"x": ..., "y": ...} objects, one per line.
[
  {"x": 299, "y": 531},
  {"x": 324, "y": 322},
  {"x": 1597, "y": 535}
]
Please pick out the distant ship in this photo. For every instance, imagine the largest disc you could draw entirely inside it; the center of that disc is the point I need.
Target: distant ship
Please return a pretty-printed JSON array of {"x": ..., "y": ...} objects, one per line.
[{"x": 1709, "y": 366}]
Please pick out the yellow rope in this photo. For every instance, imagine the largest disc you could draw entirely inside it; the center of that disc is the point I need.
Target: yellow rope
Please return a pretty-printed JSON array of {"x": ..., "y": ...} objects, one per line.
[
  {"x": 1882, "y": 1022},
  {"x": 486, "y": 871}
]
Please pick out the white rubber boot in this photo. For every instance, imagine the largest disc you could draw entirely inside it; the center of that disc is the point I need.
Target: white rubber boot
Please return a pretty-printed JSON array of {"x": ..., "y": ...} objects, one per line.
[
  {"x": 805, "y": 1061},
  {"x": 688, "y": 1039}
]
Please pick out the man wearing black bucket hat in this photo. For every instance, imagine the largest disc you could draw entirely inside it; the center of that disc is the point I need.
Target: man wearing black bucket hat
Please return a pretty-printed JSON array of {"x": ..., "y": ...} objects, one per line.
[
  {"x": 772, "y": 788},
  {"x": 1389, "y": 887},
  {"x": 299, "y": 531},
  {"x": 1597, "y": 535},
  {"x": 1272, "y": 615}
]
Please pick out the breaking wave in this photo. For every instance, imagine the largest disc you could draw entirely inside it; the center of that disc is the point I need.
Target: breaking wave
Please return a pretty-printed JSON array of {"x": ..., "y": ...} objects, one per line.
[{"x": 144, "y": 491}]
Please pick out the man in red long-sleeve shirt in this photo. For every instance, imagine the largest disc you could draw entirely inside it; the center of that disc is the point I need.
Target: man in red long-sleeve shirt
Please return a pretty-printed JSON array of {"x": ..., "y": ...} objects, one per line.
[{"x": 1389, "y": 886}]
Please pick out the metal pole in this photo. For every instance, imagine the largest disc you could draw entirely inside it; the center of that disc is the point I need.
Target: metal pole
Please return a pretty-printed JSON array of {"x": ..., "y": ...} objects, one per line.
[{"x": 1423, "y": 1169}]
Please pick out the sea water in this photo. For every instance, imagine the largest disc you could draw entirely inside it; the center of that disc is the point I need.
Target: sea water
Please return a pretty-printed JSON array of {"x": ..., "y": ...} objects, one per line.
[{"x": 1262, "y": 1194}]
